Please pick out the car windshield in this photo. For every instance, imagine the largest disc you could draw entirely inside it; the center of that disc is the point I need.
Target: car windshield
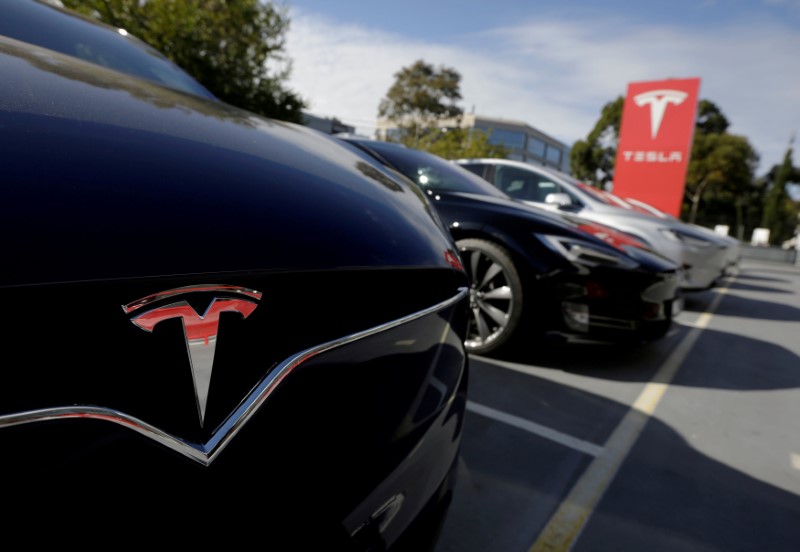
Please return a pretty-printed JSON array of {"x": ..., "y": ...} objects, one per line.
[
  {"x": 647, "y": 208},
  {"x": 432, "y": 172},
  {"x": 50, "y": 27},
  {"x": 609, "y": 199}
]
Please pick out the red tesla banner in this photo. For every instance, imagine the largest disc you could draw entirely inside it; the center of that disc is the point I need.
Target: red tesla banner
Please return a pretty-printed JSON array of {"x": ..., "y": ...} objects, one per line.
[{"x": 655, "y": 141}]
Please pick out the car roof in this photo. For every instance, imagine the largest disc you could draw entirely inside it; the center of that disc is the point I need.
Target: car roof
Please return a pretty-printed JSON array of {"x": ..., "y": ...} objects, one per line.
[
  {"x": 522, "y": 164},
  {"x": 453, "y": 177},
  {"x": 599, "y": 199}
]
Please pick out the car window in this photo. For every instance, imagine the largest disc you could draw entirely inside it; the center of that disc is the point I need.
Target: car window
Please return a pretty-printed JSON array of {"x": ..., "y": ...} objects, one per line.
[
  {"x": 432, "y": 172},
  {"x": 526, "y": 185},
  {"x": 476, "y": 168}
]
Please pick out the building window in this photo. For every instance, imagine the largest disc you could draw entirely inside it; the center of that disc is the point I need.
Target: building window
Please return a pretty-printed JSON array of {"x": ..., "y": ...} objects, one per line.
[
  {"x": 508, "y": 138},
  {"x": 554, "y": 155},
  {"x": 536, "y": 146}
]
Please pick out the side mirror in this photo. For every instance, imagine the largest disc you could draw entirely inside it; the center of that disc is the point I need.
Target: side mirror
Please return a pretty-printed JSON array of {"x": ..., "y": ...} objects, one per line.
[{"x": 562, "y": 200}]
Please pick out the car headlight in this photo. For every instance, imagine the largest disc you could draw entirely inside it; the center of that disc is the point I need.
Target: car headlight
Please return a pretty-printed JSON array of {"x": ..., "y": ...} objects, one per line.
[{"x": 583, "y": 253}]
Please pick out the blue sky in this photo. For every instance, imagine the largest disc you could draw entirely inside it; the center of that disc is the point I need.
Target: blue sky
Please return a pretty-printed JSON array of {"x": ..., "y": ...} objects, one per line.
[{"x": 555, "y": 64}]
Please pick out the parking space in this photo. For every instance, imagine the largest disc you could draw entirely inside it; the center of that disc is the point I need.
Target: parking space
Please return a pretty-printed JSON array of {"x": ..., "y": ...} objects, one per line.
[{"x": 688, "y": 443}]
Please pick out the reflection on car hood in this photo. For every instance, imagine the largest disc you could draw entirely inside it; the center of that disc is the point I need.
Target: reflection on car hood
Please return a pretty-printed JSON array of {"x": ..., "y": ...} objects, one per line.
[{"x": 346, "y": 214}]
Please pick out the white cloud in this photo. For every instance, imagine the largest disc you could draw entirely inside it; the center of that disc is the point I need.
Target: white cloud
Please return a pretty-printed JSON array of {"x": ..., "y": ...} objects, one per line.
[
  {"x": 344, "y": 71},
  {"x": 556, "y": 75}
]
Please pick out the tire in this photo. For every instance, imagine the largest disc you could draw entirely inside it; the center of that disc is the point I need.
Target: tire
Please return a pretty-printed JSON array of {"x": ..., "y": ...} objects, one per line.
[{"x": 495, "y": 295}]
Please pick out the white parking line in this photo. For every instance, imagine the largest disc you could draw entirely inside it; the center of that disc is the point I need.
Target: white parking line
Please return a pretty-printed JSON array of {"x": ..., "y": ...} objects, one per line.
[
  {"x": 531, "y": 427},
  {"x": 574, "y": 512}
]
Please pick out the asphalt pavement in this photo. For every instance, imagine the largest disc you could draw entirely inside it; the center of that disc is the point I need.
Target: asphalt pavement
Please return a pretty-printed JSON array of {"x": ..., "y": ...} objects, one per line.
[{"x": 690, "y": 443}]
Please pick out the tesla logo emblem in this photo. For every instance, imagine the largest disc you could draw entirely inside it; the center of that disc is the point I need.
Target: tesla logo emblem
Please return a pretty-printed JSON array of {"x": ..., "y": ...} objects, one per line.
[
  {"x": 200, "y": 330},
  {"x": 658, "y": 100}
]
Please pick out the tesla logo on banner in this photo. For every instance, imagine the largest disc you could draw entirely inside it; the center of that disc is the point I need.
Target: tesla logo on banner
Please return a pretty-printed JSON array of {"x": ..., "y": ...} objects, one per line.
[
  {"x": 655, "y": 141},
  {"x": 658, "y": 100}
]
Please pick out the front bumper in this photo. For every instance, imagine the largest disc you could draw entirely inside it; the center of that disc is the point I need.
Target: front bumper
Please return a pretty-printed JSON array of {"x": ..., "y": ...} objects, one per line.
[
  {"x": 703, "y": 268},
  {"x": 617, "y": 306}
]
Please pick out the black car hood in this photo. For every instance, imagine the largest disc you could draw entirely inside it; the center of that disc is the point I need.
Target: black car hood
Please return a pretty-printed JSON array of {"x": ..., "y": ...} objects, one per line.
[{"x": 154, "y": 164}]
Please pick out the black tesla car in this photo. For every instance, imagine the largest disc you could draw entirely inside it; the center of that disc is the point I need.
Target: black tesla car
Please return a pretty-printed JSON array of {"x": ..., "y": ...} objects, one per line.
[
  {"x": 216, "y": 328},
  {"x": 534, "y": 273}
]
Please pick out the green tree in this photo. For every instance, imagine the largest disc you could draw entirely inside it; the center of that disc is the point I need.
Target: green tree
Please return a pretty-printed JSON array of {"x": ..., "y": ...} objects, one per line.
[
  {"x": 420, "y": 96},
  {"x": 235, "y": 48},
  {"x": 752, "y": 207},
  {"x": 720, "y": 172},
  {"x": 780, "y": 214},
  {"x": 710, "y": 119},
  {"x": 460, "y": 143},
  {"x": 720, "y": 169},
  {"x": 592, "y": 160}
]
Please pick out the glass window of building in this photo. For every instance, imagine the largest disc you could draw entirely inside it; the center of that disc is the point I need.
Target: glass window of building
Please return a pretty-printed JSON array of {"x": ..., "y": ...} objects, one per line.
[
  {"x": 554, "y": 155},
  {"x": 508, "y": 138},
  {"x": 536, "y": 146}
]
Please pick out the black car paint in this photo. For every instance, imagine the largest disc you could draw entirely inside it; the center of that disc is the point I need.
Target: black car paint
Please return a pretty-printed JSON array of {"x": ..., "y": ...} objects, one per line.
[
  {"x": 114, "y": 189},
  {"x": 486, "y": 212}
]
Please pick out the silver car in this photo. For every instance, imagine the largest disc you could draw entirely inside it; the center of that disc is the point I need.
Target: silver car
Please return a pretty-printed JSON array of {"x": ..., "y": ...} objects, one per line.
[
  {"x": 734, "y": 245},
  {"x": 703, "y": 256}
]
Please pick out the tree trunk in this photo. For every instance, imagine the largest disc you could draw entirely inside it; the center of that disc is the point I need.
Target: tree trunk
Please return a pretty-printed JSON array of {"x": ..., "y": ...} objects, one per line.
[
  {"x": 739, "y": 217},
  {"x": 698, "y": 193}
]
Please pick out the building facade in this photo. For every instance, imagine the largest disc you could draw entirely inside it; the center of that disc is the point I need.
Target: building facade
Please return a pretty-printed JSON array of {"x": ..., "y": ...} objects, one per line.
[{"x": 524, "y": 142}]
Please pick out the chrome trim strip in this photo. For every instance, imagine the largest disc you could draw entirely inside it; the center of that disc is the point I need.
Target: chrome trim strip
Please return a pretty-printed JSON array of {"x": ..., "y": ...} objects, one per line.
[{"x": 205, "y": 453}]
